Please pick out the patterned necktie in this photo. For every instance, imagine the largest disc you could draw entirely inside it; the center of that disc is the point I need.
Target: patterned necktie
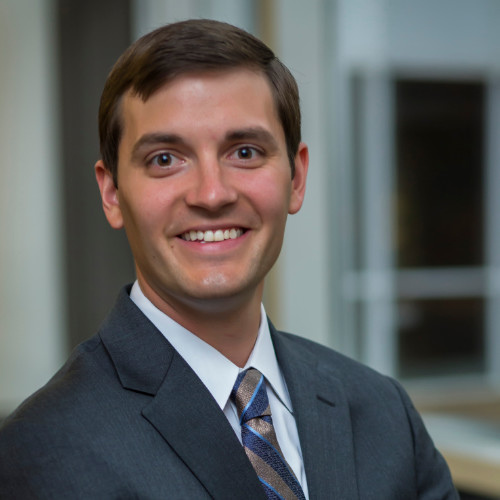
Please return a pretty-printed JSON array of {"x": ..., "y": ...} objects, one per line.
[{"x": 259, "y": 439}]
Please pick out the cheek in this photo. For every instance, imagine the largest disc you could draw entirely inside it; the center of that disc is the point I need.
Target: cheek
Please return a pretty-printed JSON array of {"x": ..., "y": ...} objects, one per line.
[
  {"x": 271, "y": 195},
  {"x": 142, "y": 214}
]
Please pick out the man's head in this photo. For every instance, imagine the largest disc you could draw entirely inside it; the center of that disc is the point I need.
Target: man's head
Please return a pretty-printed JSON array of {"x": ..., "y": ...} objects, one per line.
[
  {"x": 196, "y": 165},
  {"x": 191, "y": 47}
]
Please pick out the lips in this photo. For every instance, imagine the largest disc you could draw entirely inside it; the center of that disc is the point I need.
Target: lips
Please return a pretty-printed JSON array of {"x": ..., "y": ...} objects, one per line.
[{"x": 212, "y": 235}]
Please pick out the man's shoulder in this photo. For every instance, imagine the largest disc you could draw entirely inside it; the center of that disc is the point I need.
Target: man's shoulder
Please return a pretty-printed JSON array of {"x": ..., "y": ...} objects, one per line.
[
  {"x": 89, "y": 386},
  {"x": 359, "y": 382},
  {"x": 70, "y": 423},
  {"x": 66, "y": 387},
  {"x": 340, "y": 365}
]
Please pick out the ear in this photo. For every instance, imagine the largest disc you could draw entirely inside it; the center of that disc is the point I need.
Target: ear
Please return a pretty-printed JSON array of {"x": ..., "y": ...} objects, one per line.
[
  {"x": 299, "y": 179},
  {"x": 109, "y": 195}
]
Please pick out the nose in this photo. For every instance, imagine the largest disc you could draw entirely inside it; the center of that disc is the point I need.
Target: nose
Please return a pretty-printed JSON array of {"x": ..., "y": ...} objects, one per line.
[{"x": 212, "y": 188}]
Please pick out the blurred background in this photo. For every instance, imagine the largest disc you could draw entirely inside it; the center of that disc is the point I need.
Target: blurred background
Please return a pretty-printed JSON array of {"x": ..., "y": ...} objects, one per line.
[{"x": 395, "y": 256}]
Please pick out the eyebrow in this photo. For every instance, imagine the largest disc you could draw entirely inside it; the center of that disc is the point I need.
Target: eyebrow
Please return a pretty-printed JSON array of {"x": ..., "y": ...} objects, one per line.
[
  {"x": 259, "y": 134},
  {"x": 154, "y": 138}
]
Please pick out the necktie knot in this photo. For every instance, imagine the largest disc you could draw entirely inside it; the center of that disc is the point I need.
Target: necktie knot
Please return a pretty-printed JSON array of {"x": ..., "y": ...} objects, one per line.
[{"x": 249, "y": 395}]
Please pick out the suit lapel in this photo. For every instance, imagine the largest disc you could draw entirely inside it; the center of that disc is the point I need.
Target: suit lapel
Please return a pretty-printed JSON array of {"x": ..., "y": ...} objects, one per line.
[
  {"x": 323, "y": 421},
  {"x": 182, "y": 410},
  {"x": 186, "y": 415}
]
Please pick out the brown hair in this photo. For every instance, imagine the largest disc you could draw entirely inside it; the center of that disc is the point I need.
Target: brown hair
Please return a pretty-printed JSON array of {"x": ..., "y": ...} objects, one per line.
[{"x": 189, "y": 46}]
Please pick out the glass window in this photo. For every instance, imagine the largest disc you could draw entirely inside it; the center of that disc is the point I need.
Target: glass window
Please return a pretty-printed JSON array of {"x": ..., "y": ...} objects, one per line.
[
  {"x": 440, "y": 337},
  {"x": 439, "y": 173},
  {"x": 418, "y": 292},
  {"x": 439, "y": 169}
]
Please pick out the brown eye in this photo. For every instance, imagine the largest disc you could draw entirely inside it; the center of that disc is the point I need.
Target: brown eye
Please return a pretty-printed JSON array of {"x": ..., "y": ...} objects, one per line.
[
  {"x": 245, "y": 153},
  {"x": 163, "y": 160}
]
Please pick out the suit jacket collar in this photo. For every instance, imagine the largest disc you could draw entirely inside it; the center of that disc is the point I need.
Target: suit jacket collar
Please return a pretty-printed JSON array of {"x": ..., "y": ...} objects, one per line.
[
  {"x": 323, "y": 420},
  {"x": 146, "y": 362},
  {"x": 139, "y": 352}
]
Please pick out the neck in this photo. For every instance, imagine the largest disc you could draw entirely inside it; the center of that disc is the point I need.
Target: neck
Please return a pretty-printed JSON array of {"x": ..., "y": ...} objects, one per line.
[{"x": 229, "y": 325}]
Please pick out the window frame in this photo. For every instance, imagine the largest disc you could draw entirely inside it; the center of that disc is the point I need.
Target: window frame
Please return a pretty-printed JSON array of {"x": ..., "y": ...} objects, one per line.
[{"x": 369, "y": 288}]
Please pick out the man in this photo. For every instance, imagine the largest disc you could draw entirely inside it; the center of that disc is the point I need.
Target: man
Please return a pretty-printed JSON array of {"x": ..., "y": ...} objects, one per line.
[{"x": 187, "y": 391}]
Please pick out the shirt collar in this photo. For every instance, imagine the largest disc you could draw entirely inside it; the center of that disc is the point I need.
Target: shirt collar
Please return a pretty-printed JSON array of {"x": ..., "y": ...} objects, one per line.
[{"x": 216, "y": 371}]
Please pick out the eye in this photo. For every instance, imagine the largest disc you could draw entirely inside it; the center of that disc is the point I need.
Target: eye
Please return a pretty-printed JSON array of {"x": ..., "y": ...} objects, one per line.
[
  {"x": 162, "y": 160},
  {"x": 246, "y": 153}
]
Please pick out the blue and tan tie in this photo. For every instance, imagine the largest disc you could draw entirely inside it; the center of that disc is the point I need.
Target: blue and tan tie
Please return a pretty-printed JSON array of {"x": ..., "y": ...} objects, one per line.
[{"x": 259, "y": 439}]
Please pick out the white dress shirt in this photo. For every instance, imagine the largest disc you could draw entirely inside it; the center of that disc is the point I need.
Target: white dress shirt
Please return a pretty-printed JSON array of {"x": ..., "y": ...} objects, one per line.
[{"x": 219, "y": 375}]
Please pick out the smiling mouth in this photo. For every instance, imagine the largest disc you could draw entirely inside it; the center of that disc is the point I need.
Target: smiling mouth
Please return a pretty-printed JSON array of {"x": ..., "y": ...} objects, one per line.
[{"x": 211, "y": 236}]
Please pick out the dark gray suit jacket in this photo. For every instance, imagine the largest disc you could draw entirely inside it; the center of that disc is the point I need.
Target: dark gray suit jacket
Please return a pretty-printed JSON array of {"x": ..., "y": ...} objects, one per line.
[{"x": 126, "y": 418}]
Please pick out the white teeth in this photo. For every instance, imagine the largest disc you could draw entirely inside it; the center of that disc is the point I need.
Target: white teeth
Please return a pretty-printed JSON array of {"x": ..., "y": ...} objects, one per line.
[{"x": 210, "y": 236}]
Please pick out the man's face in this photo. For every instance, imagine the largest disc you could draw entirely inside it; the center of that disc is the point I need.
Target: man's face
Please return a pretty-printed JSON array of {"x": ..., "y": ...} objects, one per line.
[{"x": 204, "y": 188}]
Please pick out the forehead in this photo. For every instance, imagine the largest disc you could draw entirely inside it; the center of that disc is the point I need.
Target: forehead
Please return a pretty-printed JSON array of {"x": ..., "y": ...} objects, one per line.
[{"x": 197, "y": 102}]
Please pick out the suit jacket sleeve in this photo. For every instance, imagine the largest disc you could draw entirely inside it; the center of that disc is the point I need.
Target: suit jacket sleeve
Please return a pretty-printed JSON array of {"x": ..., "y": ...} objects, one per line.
[{"x": 432, "y": 474}]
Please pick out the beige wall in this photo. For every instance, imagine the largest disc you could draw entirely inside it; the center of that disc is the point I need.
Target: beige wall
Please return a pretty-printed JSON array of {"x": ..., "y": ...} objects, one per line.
[{"x": 31, "y": 316}]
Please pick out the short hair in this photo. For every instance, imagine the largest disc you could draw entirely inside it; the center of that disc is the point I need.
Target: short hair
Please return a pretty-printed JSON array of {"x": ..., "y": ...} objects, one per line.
[{"x": 187, "y": 47}]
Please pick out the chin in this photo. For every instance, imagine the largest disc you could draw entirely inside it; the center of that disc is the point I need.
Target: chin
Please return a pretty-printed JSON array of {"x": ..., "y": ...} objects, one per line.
[
  {"x": 218, "y": 287},
  {"x": 215, "y": 281},
  {"x": 217, "y": 292}
]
